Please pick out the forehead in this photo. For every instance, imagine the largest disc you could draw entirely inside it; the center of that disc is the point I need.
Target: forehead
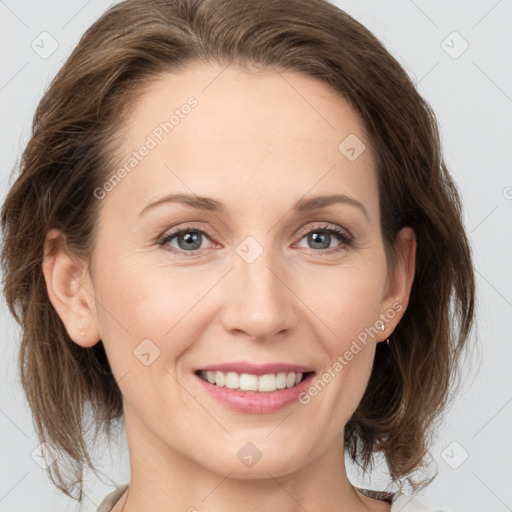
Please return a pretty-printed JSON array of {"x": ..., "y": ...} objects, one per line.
[
  {"x": 261, "y": 102},
  {"x": 220, "y": 130}
]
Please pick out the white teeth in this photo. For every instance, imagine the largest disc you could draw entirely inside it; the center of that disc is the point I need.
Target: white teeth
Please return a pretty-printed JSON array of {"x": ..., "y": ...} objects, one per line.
[
  {"x": 267, "y": 382},
  {"x": 220, "y": 379},
  {"x": 232, "y": 380},
  {"x": 281, "y": 380},
  {"x": 249, "y": 382}
]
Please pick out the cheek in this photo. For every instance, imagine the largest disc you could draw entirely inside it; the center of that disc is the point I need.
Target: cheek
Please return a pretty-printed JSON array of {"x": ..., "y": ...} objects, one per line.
[
  {"x": 141, "y": 303},
  {"x": 349, "y": 305}
]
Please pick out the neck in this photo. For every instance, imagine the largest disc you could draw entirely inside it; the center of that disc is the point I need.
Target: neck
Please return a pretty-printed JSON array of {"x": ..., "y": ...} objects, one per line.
[{"x": 165, "y": 479}]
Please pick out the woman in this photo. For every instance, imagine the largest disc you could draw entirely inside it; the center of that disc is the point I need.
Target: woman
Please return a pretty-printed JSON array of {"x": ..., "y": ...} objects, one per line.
[{"x": 234, "y": 230}]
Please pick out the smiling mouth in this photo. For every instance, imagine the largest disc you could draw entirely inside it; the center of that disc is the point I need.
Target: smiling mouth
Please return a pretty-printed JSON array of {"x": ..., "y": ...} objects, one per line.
[{"x": 267, "y": 383}]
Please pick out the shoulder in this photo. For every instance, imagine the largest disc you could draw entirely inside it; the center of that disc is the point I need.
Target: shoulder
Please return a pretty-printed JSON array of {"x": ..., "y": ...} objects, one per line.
[
  {"x": 111, "y": 499},
  {"x": 399, "y": 501},
  {"x": 403, "y": 503}
]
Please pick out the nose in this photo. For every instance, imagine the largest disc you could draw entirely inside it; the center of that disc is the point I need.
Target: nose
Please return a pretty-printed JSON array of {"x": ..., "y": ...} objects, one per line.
[{"x": 258, "y": 300}]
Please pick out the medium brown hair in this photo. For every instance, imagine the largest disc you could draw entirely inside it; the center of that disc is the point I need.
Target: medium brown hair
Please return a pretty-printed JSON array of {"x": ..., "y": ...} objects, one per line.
[{"x": 74, "y": 147}]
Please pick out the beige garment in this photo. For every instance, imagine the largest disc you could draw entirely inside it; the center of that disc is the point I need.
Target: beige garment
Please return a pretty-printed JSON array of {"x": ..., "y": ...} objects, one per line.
[
  {"x": 399, "y": 502},
  {"x": 111, "y": 499}
]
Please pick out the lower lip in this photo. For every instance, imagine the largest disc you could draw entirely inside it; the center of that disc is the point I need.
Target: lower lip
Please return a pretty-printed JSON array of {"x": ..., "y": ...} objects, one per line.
[{"x": 255, "y": 402}]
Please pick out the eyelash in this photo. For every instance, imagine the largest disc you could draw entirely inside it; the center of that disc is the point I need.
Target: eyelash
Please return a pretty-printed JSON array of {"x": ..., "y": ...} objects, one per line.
[{"x": 342, "y": 235}]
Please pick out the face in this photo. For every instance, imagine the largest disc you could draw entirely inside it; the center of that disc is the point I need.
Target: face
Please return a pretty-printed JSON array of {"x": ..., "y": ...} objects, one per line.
[{"x": 215, "y": 249}]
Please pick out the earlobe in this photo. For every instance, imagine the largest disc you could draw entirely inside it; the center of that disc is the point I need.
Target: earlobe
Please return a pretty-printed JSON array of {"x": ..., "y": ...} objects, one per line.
[{"x": 69, "y": 290}]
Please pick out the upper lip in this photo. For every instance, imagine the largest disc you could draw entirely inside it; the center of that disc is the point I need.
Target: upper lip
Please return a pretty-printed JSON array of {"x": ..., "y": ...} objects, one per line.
[{"x": 256, "y": 369}]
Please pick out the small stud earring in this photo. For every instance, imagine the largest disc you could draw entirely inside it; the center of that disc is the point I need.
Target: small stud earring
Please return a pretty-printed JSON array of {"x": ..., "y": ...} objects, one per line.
[
  {"x": 383, "y": 328},
  {"x": 82, "y": 332}
]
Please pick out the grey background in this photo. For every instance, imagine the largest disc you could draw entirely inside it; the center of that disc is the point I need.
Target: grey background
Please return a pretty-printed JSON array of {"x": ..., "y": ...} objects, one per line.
[{"x": 471, "y": 92}]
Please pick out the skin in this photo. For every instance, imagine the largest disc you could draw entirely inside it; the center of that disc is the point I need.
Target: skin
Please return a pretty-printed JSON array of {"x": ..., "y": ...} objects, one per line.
[{"x": 257, "y": 142}]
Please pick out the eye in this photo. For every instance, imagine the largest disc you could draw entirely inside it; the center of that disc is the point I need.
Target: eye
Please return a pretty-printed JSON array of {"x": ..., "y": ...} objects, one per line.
[
  {"x": 187, "y": 239},
  {"x": 323, "y": 237}
]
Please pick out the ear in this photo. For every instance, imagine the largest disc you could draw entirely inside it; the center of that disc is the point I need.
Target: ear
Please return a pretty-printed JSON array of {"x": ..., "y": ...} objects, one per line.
[
  {"x": 70, "y": 290},
  {"x": 400, "y": 279}
]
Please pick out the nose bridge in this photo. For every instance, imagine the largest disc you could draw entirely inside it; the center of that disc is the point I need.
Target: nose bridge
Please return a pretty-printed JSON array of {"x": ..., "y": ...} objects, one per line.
[{"x": 258, "y": 301}]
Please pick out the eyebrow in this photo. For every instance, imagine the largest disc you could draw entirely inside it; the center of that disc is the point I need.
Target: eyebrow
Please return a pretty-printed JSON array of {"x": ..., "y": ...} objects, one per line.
[{"x": 212, "y": 205}]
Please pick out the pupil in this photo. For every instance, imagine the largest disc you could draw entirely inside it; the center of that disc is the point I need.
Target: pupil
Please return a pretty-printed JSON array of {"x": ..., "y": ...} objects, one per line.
[
  {"x": 193, "y": 240},
  {"x": 320, "y": 240}
]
